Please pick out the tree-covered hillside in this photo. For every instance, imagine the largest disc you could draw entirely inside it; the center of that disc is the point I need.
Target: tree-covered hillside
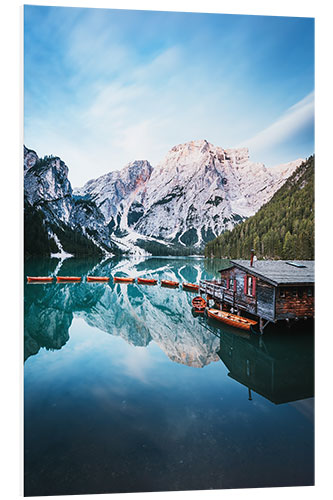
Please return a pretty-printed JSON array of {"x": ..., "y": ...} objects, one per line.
[{"x": 282, "y": 229}]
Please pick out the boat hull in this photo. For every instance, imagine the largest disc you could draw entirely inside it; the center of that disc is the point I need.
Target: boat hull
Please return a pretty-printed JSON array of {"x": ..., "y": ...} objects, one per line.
[
  {"x": 199, "y": 305},
  {"x": 191, "y": 287},
  {"x": 98, "y": 278},
  {"x": 146, "y": 281},
  {"x": 231, "y": 319},
  {"x": 68, "y": 278},
  {"x": 39, "y": 279},
  {"x": 123, "y": 280},
  {"x": 172, "y": 284}
]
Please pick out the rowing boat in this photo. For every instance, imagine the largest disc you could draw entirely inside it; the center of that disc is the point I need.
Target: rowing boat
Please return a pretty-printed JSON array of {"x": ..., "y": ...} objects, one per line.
[
  {"x": 169, "y": 283},
  {"x": 118, "y": 279},
  {"x": 199, "y": 304},
  {"x": 191, "y": 286},
  {"x": 231, "y": 319},
  {"x": 147, "y": 281},
  {"x": 35, "y": 279},
  {"x": 98, "y": 278},
  {"x": 68, "y": 278}
]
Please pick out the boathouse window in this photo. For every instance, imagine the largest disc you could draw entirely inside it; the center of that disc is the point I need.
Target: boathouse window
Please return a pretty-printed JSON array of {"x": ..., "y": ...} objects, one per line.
[
  {"x": 282, "y": 293},
  {"x": 310, "y": 292},
  {"x": 231, "y": 284},
  {"x": 295, "y": 292},
  {"x": 250, "y": 286}
]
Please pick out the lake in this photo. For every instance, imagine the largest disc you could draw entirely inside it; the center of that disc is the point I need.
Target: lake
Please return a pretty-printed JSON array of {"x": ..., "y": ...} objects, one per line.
[{"x": 126, "y": 391}]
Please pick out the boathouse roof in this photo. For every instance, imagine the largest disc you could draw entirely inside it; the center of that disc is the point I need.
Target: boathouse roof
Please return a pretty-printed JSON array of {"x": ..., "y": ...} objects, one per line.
[{"x": 280, "y": 272}]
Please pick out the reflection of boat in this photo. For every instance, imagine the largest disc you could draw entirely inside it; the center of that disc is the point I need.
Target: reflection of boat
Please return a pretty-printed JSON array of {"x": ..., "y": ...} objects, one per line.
[
  {"x": 191, "y": 286},
  {"x": 231, "y": 319},
  {"x": 98, "y": 278},
  {"x": 169, "y": 283},
  {"x": 199, "y": 304},
  {"x": 36, "y": 279},
  {"x": 118, "y": 279},
  {"x": 68, "y": 278},
  {"x": 146, "y": 281},
  {"x": 279, "y": 367}
]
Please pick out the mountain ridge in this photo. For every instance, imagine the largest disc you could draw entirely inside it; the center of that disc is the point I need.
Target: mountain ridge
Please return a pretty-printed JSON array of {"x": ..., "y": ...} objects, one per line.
[{"x": 197, "y": 191}]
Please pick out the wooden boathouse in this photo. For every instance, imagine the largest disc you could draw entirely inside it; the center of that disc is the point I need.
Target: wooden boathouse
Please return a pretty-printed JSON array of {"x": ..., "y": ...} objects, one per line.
[{"x": 271, "y": 290}]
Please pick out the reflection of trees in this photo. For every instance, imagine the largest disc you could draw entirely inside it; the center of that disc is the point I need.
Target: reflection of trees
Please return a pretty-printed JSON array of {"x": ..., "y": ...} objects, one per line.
[
  {"x": 47, "y": 319},
  {"x": 212, "y": 266},
  {"x": 49, "y": 311}
]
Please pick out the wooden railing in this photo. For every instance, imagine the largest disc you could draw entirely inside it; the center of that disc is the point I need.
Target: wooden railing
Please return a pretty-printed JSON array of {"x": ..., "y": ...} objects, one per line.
[
  {"x": 216, "y": 290},
  {"x": 223, "y": 294}
]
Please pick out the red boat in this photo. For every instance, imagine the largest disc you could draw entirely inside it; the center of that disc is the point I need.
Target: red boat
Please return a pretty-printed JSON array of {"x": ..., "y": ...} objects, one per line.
[
  {"x": 68, "y": 278},
  {"x": 191, "y": 286},
  {"x": 118, "y": 279},
  {"x": 146, "y": 281},
  {"x": 199, "y": 304},
  {"x": 231, "y": 319},
  {"x": 98, "y": 278},
  {"x": 169, "y": 283},
  {"x": 42, "y": 279}
]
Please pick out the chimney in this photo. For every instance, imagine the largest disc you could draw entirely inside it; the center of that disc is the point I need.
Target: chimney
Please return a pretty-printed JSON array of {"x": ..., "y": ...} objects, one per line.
[{"x": 252, "y": 255}]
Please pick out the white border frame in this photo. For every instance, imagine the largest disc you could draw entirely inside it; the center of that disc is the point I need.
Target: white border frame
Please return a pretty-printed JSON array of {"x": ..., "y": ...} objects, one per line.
[{"x": 11, "y": 33}]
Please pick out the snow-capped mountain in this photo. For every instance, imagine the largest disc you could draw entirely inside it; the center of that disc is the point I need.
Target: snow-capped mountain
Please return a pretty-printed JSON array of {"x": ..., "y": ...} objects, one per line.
[
  {"x": 197, "y": 192},
  {"x": 200, "y": 190}
]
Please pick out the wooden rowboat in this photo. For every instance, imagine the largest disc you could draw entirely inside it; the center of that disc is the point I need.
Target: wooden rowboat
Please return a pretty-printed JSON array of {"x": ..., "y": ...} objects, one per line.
[
  {"x": 169, "y": 283},
  {"x": 36, "y": 279},
  {"x": 68, "y": 278},
  {"x": 199, "y": 304},
  {"x": 98, "y": 278},
  {"x": 118, "y": 279},
  {"x": 231, "y": 319},
  {"x": 191, "y": 286},
  {"x": 147, "y": 281}
]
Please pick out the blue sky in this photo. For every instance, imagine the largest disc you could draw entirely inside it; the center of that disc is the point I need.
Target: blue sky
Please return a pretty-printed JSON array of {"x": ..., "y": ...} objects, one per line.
[{"x": 105, "y": 87}]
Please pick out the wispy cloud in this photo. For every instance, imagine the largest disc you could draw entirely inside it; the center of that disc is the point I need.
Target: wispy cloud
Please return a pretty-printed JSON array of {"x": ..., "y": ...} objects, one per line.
[
  {"x": 294, "y": 121},
  {"x": 104, "y": 87}
]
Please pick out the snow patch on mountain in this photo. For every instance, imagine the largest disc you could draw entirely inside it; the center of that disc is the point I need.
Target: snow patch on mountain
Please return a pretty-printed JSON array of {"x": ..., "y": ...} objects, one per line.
[
  {"x": 62, "y": 255},
  {"x": 197, "y": 192}
]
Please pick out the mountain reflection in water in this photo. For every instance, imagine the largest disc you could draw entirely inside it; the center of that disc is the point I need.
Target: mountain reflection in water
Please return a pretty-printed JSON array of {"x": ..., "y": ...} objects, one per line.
[
  {"x": 137, "y": 313},
  {"x": 121, "y": 406},
  {"x": 277, "y": 366}
]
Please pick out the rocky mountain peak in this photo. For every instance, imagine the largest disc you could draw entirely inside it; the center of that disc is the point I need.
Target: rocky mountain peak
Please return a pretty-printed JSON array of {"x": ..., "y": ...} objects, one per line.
[
  {"x": 201, "y": 145},
  {"x": 138, "y": 172},
  {"x": 30, "y": 158},
  {"x": 196, "y": 193},
  {"x": 46, "y": 179}
]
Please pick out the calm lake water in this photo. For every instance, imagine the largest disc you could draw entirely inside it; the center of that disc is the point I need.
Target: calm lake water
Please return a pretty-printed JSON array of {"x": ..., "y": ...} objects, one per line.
[{"x": 126, "y": 391}]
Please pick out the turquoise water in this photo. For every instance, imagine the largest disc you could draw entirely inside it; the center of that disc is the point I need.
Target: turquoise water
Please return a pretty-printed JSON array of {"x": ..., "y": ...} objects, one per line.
[{"x": 126, "y": 391}]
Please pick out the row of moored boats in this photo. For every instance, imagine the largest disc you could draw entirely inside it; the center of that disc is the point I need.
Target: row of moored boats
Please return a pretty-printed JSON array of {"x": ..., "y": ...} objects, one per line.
[
  {"x": 199, "y": 304},
  {"x": 116, "y": 279}
]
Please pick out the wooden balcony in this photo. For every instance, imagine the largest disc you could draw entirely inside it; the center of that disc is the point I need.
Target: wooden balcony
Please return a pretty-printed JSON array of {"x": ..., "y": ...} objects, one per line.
[
  {"x": 217, "y": 290},
  {"x": 222, "y": 294}
]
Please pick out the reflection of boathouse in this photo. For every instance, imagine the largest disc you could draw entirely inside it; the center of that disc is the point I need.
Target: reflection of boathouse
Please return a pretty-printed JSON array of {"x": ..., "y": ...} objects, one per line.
[
  {"x": 279, "y": 371},
  {"x": 271, "y": 290}
]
